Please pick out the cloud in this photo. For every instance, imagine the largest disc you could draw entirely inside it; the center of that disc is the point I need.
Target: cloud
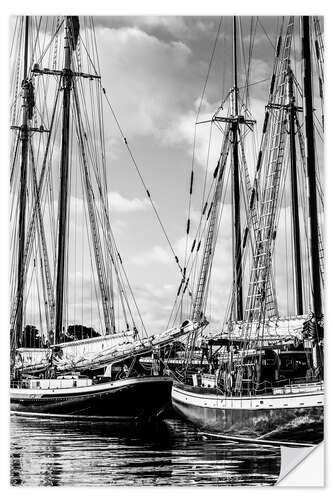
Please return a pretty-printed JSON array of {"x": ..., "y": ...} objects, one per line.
[
  {"x": 146, "y": 74},
  {"x": 205, "y": 139},
  {"x": 160, "y": 80},
  {"x": 154, "y": 69},
  {"x": 156, "y": 254},
  {"x": 174, "y": 25},
  {"x": 119, "y": 203},
  {"x": 162, "y": 254},
  {"x": 164, "y": 27},
  {"x": 155, "y": 304}
]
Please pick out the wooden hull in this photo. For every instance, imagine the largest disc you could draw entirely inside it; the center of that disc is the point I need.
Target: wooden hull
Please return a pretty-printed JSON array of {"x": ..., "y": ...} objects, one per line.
[
  {"x": 251, "y": 416},
  {"x": 126, "y": 399}
]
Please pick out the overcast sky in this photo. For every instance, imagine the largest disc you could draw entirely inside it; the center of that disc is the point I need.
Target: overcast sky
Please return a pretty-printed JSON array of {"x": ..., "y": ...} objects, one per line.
[{"x": 154, "y": 70}]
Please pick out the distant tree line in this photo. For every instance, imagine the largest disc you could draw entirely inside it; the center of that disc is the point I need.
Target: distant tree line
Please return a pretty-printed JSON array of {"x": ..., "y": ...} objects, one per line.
[{"x": 32, "y": 338}]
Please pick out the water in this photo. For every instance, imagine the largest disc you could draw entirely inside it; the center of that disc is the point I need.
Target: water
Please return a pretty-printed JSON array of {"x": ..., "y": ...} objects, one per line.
[{"x": 54, "y": 453}]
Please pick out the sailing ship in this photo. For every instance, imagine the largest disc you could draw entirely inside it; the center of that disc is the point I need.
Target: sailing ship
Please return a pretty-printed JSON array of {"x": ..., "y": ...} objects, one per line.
[
  {"x": 263, "y": 373},
  {"x": 59, "y": 147}
]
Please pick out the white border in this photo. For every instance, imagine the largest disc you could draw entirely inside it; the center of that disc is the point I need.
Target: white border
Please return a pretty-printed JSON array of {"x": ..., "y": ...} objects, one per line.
[{"x": 172, "y": 7}]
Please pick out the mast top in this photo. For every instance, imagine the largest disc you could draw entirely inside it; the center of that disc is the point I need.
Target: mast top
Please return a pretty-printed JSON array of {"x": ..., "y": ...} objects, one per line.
[{"x": 234, "y": 111}]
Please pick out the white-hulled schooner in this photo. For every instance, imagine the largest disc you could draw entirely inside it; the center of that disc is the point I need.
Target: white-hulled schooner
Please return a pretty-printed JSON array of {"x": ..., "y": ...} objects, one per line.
[
  {"x": 61, "y": 237},
  {"x": 262, "y": 374}
]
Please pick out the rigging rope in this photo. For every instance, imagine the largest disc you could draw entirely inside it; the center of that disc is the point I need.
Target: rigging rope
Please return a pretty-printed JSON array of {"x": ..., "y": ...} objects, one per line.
[{"x": 142, "y": 181}]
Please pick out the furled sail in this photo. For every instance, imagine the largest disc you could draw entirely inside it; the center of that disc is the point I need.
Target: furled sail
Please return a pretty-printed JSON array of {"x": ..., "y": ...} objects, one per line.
[{"x": 98, "y": 352}]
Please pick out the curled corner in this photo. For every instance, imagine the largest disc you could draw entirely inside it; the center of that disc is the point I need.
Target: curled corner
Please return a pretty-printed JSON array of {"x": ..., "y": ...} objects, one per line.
[{"x": 296, "y": 471}]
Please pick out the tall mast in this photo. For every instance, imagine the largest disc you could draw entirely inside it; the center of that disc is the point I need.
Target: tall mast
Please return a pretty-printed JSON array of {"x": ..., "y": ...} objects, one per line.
[
  {"x": 311, "y": 169},
  {"x": 23, "y": 185},
  {"x": 294, "y": 197},
  {"x": 64, "y": 163},
  {"x": 236, "y": 240}
]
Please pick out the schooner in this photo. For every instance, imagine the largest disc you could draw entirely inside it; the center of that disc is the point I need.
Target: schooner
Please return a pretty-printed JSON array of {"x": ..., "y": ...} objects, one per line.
[
  {"x": 61, "y": 237},
  {"x": 262, "y": 373}
]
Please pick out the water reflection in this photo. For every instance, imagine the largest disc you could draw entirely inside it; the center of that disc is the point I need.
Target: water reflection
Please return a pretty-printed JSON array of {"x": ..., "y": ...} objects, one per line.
[{"x": 50, "y": 452}]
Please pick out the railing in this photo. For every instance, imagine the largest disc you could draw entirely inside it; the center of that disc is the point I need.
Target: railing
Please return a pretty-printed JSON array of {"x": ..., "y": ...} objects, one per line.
[
  {"x": 283, "y": 386},
  {"x": 251, "y": 388},
  {"x": 24, "y": 384},
  {"x": 18, "y": 384}
]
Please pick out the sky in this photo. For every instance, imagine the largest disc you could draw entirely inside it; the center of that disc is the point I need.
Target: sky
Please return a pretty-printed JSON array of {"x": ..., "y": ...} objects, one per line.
[{"x": 154, "y": 71}]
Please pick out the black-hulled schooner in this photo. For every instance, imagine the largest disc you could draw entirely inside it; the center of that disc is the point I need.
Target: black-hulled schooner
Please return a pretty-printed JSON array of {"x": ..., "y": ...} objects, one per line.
[
  {"x": 261, "y": 373},
  {"x": 66, "y": 269}
]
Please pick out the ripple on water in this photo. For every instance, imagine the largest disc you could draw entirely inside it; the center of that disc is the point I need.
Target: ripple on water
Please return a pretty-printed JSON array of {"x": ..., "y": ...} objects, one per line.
[{"x": 53, "y": 453}]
